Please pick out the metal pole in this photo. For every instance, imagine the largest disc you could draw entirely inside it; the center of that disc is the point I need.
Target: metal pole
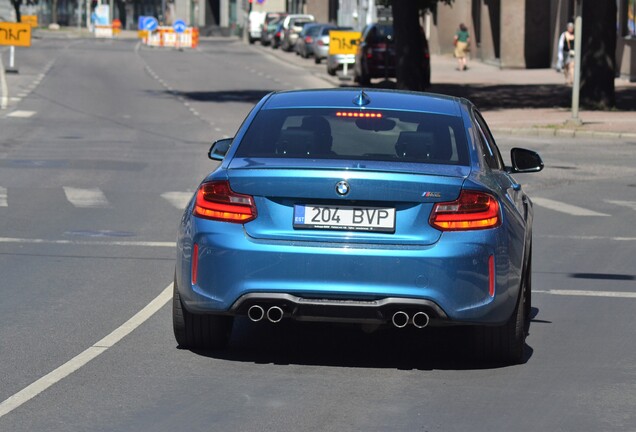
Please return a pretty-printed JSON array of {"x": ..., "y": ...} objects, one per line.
[
  {"x": 576, "y": 86},
  {"x": 12, "y": 57}
]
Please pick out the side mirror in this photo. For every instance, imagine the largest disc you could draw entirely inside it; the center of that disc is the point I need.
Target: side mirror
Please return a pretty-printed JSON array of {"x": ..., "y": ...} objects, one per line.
[
  {"x": 525, "y": 161},
  {"x": 220, "y": 148}
]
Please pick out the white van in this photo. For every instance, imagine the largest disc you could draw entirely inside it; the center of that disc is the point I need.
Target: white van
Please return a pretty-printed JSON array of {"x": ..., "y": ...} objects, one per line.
[
  {"x": 256, "y": 20},
  {"x": 7, "y": 11}
]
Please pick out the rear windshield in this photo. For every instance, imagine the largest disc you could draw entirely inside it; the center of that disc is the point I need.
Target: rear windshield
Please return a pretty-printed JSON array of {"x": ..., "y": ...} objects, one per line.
[
  {"x": 399, "y": 136},
  {"x": 380, "y": 33}
]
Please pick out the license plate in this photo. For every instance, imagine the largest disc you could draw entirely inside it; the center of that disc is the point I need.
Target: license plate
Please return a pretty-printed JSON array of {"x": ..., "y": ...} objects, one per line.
[{"x": 377, "y": 219}]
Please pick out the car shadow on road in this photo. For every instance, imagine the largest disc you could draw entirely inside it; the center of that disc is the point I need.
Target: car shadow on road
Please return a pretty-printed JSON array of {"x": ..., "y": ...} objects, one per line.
[
  {"x": 220, "y": 96},
  {"x": 508, "y": 96},
  {"x": 320, "y": 344}
]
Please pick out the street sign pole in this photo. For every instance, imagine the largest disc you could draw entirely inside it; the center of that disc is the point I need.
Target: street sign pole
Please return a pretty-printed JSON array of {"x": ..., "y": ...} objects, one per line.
[{"x": 576, "y": 86}]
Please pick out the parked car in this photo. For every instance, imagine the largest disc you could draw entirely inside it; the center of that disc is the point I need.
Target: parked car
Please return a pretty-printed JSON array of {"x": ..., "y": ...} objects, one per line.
[
  {"x": 336, "y": 62},
  {"x": 293, "y": 25},
  {"x": 304, "y": 43},
  {"x": 374, "y": 207},
  {"x": 269, "y": 26},
  {"x": 376, "y": 58},
  {"x": 320, "y": 44},
  {"x": 255, "y": 23},
  {"x": 277, "y": 35}
]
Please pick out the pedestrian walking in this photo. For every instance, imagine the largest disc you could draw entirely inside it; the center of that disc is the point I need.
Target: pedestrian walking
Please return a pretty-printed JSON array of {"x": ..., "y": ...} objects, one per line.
[
  {"x": 461, "y": 41},
  {"x": 565, "y": 56}
]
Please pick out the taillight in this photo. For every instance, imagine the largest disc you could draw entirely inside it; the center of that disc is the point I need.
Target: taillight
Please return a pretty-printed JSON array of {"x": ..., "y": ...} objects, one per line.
[
  {"x": 320, "y": 42},
  {"x": 308, "y": 39},
  {"x": 216, "y": 200},
  {"x": 471, "y": 211}
]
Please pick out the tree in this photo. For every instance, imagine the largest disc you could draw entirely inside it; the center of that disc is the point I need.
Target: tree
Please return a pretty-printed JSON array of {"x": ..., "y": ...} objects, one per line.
[
  {"x": 598, "y": 61},
  {"x": 16, "y": 6},
  {"x": 409, "y": 41}
]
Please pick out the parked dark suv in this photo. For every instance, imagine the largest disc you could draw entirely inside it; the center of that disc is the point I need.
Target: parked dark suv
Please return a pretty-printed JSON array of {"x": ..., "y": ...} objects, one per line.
[{"x": 376, "y": 56}]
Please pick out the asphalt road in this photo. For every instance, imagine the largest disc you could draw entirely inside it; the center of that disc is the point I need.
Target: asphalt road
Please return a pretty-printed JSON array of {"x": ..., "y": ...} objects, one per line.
[{"x": 95, "y": 167}]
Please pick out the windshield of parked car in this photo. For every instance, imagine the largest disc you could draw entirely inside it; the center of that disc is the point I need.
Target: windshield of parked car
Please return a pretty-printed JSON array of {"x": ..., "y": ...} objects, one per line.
[{"x": 383, "y": 135}]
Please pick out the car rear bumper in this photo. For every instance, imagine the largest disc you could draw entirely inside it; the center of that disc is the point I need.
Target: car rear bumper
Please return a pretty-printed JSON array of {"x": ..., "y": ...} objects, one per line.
[{"x": 450, "y": 278}]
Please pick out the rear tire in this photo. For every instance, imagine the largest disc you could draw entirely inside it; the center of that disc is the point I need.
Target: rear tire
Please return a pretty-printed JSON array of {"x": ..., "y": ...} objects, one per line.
[
  {"x": 197, "y": 331},
  {"x": 506, "y": 343},
  {"x": 317, "y": 60},
  {"x": 527, "y": 303}
]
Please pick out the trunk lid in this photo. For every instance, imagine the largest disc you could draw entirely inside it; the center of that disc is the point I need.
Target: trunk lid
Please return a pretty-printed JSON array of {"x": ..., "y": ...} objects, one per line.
[{"x": 281, "y": 194}]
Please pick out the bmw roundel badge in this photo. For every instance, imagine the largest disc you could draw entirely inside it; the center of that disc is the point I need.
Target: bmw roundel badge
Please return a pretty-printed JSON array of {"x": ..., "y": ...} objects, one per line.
[{"x": 342, "y": 188}]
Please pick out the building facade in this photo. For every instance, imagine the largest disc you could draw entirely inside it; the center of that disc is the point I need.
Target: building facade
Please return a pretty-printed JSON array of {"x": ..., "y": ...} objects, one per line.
[{"x": 524, "y": 34}]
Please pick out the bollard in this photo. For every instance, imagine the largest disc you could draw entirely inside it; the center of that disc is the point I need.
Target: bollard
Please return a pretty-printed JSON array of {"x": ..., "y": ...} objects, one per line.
[{"x": 12, "y": 69}]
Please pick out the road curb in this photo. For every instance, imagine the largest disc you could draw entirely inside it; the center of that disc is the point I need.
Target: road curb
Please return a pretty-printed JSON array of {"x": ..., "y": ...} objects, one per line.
[{"x": 562, "y": 133}]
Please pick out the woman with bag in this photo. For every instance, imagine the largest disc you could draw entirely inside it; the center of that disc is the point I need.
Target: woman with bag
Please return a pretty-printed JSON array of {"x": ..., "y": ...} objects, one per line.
[
  {"x": 462, "y": 43},
  {"x": 566, "y": 54}
]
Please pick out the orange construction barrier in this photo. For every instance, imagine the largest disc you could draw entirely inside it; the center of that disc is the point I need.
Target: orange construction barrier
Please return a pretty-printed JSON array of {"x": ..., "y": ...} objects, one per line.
[
  {"x": 166, "y": 37},
  {"x": 116, "y": 26}
]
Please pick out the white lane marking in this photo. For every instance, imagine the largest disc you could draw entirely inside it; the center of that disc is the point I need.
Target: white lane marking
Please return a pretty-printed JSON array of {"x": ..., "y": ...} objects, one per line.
[
  {"x": 87, "y": 355},
  {"x": 178, "y": 199},
  {"x": 580, "y": 293},
  {"x": 4, "y": 88},
  {"x": 565, "y": 208},
  {"x": 628, "y": 204},
  {"x": 574, "y": 237},
  {"x": 85, "y": 198},
  {"x": 3, "y": 197},
  {"x": 88, "y": 242},
  {"x": 21, "y": 114}
]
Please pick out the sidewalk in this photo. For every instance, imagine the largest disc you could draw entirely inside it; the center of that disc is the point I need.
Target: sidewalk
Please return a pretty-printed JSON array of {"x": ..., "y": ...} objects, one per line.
[
  {"x": 533, "y": 101},
  {"x": 522, "y": 101}
]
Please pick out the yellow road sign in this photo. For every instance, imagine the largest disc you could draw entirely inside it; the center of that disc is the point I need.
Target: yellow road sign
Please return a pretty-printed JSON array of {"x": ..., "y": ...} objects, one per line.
[
  {"x": 32, "y": 20},
  {"x": 343, "y": 42},
  {"x": 16, "y": 34}
]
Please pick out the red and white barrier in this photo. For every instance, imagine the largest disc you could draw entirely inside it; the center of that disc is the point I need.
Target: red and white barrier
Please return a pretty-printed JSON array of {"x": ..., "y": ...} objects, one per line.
[{"x": 167, "y": 37}]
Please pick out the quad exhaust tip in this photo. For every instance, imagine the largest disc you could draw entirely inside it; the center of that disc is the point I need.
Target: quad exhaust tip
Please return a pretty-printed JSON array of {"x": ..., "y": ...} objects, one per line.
[{"x": 400, "y": 319}]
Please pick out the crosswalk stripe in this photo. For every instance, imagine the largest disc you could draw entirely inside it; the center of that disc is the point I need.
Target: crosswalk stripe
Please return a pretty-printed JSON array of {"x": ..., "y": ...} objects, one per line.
[
  {"x": 21, "y": 114},
  {"x": 582, "y": 293},
  {"x": 3, "y": 197},
  {"x": 85, "y": 198},
  {"x": 628, "y": 204},
  {"x": 565, "y": 208},
  {"x": 178, "y": 199}
]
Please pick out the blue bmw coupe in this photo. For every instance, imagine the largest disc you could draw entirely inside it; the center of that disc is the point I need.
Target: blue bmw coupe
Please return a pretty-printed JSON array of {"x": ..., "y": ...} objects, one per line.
[{"x": 358, "y": 206}]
